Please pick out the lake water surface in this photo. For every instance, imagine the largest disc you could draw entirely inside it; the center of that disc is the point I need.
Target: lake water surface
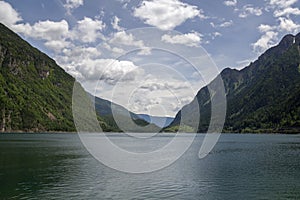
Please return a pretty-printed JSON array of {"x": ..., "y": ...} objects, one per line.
[{"x": 57, "y": 166}]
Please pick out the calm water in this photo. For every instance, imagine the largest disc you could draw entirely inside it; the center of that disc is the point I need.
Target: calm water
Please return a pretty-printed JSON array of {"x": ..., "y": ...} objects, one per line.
[{"x": 48, "y": 166}]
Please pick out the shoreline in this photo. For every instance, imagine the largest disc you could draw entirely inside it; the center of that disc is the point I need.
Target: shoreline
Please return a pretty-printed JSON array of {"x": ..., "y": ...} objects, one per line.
[{"x": 73, "y": 132}]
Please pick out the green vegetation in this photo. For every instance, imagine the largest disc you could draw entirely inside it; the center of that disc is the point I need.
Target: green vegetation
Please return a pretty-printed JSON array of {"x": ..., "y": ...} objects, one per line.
[
  {"x": 36, "y": 94},
  {"x": 180, "y": 129},
  {"x": 261, "y": 98}
]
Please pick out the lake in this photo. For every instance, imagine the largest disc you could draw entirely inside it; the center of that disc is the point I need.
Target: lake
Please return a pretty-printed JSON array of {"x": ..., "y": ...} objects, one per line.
[{"x": 57, "y": 166}]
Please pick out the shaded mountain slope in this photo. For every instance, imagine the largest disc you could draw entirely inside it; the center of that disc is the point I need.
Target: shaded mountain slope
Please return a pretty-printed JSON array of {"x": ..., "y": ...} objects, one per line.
[
  {"x": 36, "y": 94},
  {"x": 263, "y": 97}
]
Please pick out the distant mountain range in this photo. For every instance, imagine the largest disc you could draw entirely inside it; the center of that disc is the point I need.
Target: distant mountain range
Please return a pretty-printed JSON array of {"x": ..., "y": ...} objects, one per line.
[
  {"x": 263, "y": 97},
  {"x": 109, "y": 112},
  {"x": 158, "y": 121}
]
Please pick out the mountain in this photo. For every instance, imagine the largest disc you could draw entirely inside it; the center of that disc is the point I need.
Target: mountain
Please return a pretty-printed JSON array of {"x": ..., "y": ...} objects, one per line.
[
  {"x": 262, "y": 97},
  {"x": 36, "y": 94},
  {"x": 127, "y": 121},
  {"x": 158, "y": 121}
]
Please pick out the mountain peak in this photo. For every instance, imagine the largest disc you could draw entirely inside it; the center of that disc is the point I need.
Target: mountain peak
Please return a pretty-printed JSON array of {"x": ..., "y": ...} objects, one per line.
[
  {"x": 263, "y": 97},
  {"x": 287, "y": 41}
]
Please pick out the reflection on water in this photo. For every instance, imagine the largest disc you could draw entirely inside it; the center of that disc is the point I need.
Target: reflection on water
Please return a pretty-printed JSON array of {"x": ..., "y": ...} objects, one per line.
[{"x": 53, "y": 166}]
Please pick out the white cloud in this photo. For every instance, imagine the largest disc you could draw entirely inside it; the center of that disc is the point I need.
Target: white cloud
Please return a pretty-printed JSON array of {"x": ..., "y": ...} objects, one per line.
[
  {"x": 155, "y": 84},
  {"x": 109, "y": 70},
  {"x": 283, "y": 8},
  {"x": 265, "y": 42},
  {"x": 155, "y": 95},
  {"x": 230, "y": 3},
  {"x": 45, "y": 30},
  {"x": 288, "y": 25},
  {"x": 226, "y": 24},
  {"x": 189, "y": 39},
  {"x": 53, "y": 33},
  {"x": 217, "y": 34},
  {"x": 70, "y": 5},
  {"x": 223, "y": 24},
  {"x": 287, "y": 12},
  {"x": 8, "y": 15},
  {"x": 250, "y": 10},
  {"x": 76, "y": 54},
  {"x": 115, "y": 50},
  {"x": 115, "y": 24},
  {"x": 282, "y": 3},
  {"x": 123, "y": 38},
  {"x": 214, "y": 35},
  {"x": 88, "y": 30},
  {"x": 58, "y": 36},
  {"x": 212, "y": 24},
  {"x": 265, "y": 28},
  {"x": 166, "y": 14},
  {"x": 57, "y": 45}
]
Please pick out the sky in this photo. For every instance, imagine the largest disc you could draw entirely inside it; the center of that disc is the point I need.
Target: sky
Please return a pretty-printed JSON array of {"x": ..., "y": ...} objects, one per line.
[{"x": 151, "y": 56}]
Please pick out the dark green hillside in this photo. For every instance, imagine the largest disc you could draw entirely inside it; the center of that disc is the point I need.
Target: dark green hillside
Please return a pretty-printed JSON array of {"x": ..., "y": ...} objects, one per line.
[
  {"x": 35, "y": 93},
  {"x": 263, "y": 97}
]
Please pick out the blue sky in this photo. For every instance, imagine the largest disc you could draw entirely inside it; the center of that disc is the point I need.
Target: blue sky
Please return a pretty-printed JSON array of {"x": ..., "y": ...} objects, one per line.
[{"x": 92, "y": 39}]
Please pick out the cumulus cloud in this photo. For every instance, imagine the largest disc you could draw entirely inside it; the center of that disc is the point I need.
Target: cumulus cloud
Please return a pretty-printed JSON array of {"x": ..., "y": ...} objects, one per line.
[
  {"x": 287, "y": 12},
  {"x": 155, "y": 84},
  {"x": 58, "y": 35},
  {"x": 230, "y": 3},
  {"x": 288, "y": 25},
  {"x": 155, "y": 95},
  {"x": 46, "y": 30},
  {"x": 70, "y": 5},
  {"x": 282, "y": 3},
  {"x": 115, "y": 24},
  {"x": 189, "y": 39},
  {"x": 282, "y": 10},
  {"x": 250, "y": 10},
  {"x": 88, "y": 30},
  {"x": 265, "y": 42},
  {"x": 53, "y": 33},
  {"x": 76, "y": 54},
  {"x": 265, "y": 28},
  {"x": 57, "y": 45},
  {"x": 123, "y": 38},
  {"x": 166, "y": 14},
  {"x": 109, "y": 70},
  {"x": 8, "y": 15}
]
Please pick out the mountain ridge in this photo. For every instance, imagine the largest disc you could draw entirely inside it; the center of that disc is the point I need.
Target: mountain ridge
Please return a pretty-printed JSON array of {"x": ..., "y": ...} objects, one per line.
[
  {"x": 36, "y": 93},
  {"x": 257, "y": 94}
]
